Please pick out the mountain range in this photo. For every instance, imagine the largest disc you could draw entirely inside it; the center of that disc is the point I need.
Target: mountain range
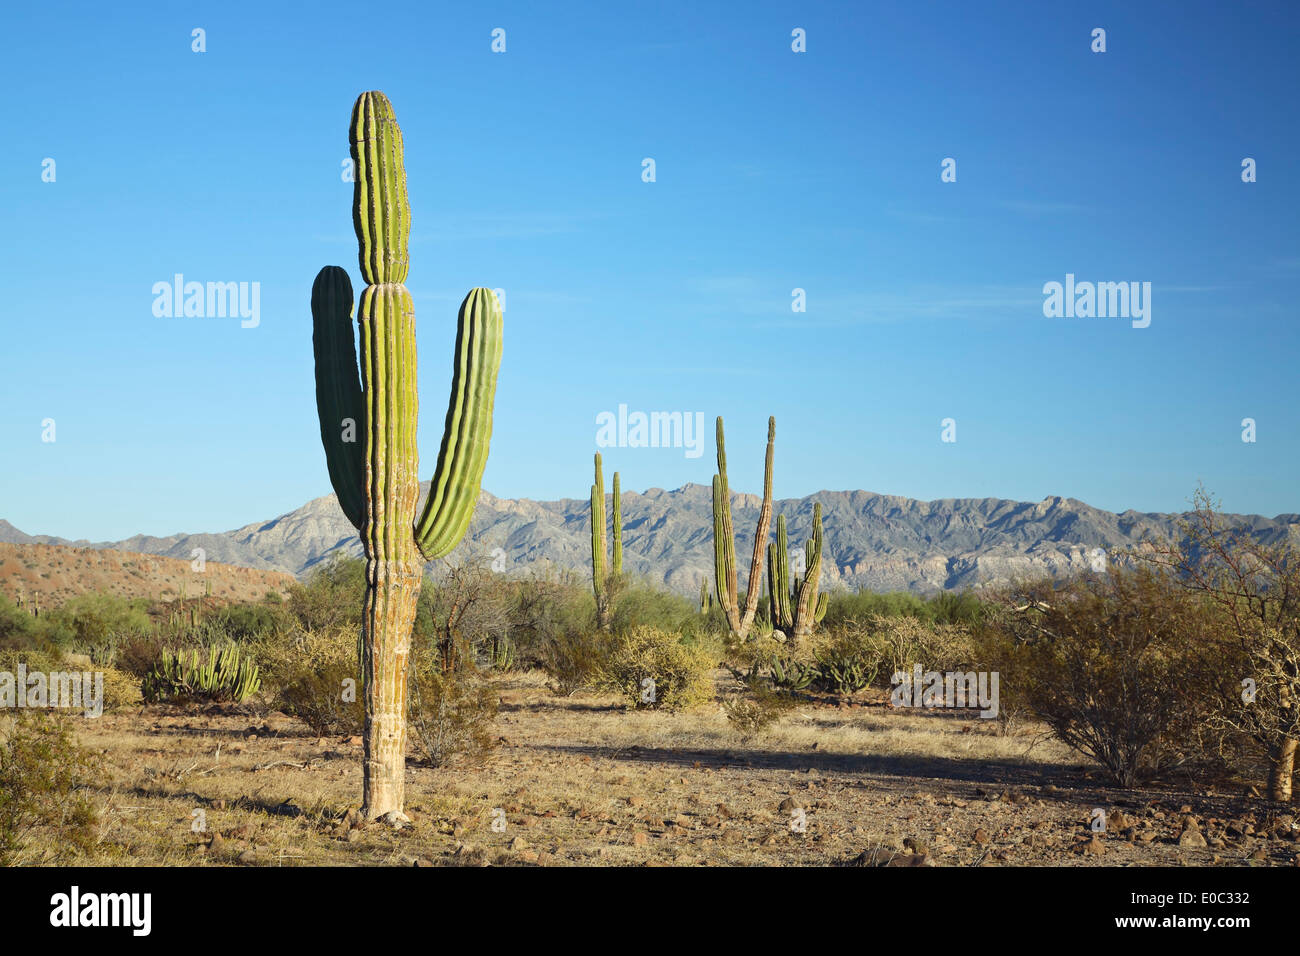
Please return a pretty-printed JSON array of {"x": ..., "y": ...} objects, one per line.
[{"x": 873, "y": 541}]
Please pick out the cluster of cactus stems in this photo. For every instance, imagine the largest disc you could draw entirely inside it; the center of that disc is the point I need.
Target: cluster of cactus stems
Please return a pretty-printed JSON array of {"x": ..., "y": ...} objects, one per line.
[
  {"x": 739, "y": 620},
  {"x": 602, "y": 582},
  {"x": 793, "y": 609},
  {"x": 706, "y": 597},
  {"x": 368, "y": 428},
  {"x": 796, "y": 607},
  {"x": 225, "y": 675}
]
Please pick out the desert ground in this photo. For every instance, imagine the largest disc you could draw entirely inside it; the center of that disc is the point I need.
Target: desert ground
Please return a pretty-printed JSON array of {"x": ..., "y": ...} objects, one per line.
[{"x": 582, "y": 781}]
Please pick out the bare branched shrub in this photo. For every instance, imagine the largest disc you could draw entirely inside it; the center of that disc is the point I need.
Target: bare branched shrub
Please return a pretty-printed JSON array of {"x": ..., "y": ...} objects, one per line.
[
  {"x": 1254, "y": 590},
  {"x": 1109, "y": 661}
]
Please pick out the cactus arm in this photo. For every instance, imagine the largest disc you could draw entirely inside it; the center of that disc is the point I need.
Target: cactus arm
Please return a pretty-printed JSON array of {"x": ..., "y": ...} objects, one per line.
[
  {"x": 380, "y": 212},
  {"x": 467, "y": 431},
  {"x": 760, "y": 535},
  {"x": 778, "y": 568},
  {"x": 617, "y": 522},
  {"x": 807, "y": 603},
  {"x": 338, "y": 389}
]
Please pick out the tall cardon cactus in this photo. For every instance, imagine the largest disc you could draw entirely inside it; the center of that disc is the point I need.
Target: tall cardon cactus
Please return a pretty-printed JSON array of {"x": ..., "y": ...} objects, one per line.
[
  {"x": 739, "y": 620},
  {"x": 604, "y": 584},
  {"x": 796, "y": 607},
  {"x": 367, "y": 426}
]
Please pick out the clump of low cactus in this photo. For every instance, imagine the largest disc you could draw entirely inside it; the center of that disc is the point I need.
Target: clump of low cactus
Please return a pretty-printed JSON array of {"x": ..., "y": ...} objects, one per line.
[
  {"x": 224, "y": 674},
  {"x": 739, "y": 620},
  {"x": 796, "y": 607},
  {"x": 368, "y": 427}
]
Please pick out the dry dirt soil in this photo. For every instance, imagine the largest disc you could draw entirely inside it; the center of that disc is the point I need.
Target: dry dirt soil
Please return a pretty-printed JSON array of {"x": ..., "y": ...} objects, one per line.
[
  {"x": 48, "y": 575},
  {"x": 581, "y": 781}
]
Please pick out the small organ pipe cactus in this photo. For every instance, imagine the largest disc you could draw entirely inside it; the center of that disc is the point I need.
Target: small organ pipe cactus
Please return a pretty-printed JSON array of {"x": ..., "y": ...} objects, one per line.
[
  {"x": 368, "y": 427},
  {"x": 796, "y": 607},
  {"x": 224, "y": 675},
  {"x": 739, "y": 620}
]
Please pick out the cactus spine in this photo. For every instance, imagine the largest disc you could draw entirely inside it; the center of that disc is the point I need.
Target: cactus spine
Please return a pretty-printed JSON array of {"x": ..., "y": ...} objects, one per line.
[
  {"x": 796, "y": 607},
  {"x": 603, "y": 584},
  {"x": 739, "y": 620},
  {"x": 368, "y": 430}
]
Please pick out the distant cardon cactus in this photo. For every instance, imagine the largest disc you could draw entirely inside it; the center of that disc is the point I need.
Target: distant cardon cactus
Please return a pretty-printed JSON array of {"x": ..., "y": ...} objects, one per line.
[
  {"x": 739, "y": 619},
  {"x": 604, "y": 584},
  {"x": 368, "y": 429}
]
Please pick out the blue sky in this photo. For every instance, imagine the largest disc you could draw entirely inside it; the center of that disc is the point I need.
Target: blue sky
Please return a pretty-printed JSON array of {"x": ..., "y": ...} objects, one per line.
[{"x": 775, "y": 170}]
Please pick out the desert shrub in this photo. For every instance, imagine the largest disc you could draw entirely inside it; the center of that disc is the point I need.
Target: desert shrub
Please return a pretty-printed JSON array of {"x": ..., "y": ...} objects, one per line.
[
  {"x": 1109, "y": 661},
  {"x": 640, "y": 604},
  {"x": 451, "y": 714},
  {"x": 306, "y": 671},
  {"x": 847, "y": 661},
  {"x": 903, "y": 642},
  {"x": 318, "y": 697},
  {"x": 843, "y": 607},
  {"x": 650, "y": 667},
  {"x": 332, "y": 596},
  {"x": 572, "y": 659},
  {"x": 945, "y": 607},
  {"x": 99, "y": 622},
  {"x": 752, "y": 713},
  {"x": 545, "y": 609},
  {"x": 120, "y": 689},
  {"x": 202, "y": 673},
  {"x": 44, "y": 776},
  {"x": 245, "y": 622}
]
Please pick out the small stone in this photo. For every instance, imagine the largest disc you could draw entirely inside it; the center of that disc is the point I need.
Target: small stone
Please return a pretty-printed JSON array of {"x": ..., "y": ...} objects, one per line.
[
  {"x": 981, "y": 836},
  {"x": 640, "y": 838},
  {"x": 1192, "y": 838}
]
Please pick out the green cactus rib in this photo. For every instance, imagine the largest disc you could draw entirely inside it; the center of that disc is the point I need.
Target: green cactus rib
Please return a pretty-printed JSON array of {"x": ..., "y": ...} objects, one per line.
[
  {"x": 739, "y": 619},
  {"x": 617, "y": 527},
  {"x": 467, "y": 430},
  {"x": 338, "y": 389},
  {"x": 380, "y": 212}
]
